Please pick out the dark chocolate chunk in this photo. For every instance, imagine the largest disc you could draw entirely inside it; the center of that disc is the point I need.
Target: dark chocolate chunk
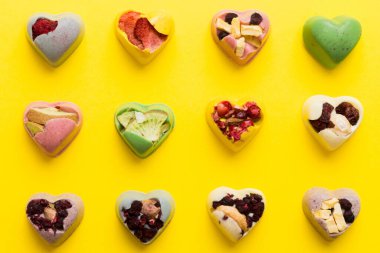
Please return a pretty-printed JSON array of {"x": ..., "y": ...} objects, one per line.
[
  {"x": 324, "y": 121},
  {"x": 349, "y": 217},
  {"x": 256, "y": 19},
  {"x": 349, "y": 111},
  {"x": 229, "y": 17}
]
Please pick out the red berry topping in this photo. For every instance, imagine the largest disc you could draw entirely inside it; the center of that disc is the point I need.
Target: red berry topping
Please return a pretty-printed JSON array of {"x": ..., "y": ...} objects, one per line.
[
  {"x": 43, "y": 26},
  {"x": 233, "y": 121}
]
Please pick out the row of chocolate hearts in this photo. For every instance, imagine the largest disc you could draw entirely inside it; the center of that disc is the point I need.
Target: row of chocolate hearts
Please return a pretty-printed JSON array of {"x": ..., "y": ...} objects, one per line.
[
  {"x": 235, "y": 212},
  {"x": 144, "y": 128},
  {"x": 240, "y": 34}
]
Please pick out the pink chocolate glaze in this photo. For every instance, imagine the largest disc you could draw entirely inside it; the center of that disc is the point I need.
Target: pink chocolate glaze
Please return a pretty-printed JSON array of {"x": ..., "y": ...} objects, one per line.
[{"x": 56, "y": 130}]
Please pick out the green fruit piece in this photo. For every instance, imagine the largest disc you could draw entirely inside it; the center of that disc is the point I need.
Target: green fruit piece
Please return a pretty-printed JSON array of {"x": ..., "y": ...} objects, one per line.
[
  {"x": 42, "y": 115},
  {"x": 126, "y": 118},
  {"x": 34, "y": 128},
  {"x": 139, "y": 143},
  {"x": 330, "y": 41}
]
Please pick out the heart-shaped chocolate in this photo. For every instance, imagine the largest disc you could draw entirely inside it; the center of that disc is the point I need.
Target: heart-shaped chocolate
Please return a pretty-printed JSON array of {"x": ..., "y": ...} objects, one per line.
[
  {"x": 331, "y": 212},
  {"x": 145, "y": 215},
  {"x": 55, "y": 217},
  {"x": 236, "y": 212},
  {"x": 235, "y": 123},
  {"x": 55, "y": 37},
  {"x": 330, "y": 41},
  {"x": 144, "y": 127},
  {"x": 144, "y": 35},
  {"x": 241, "y": 35},
  {"x": 53, "y": 126},
  {"x": 332, "y": 121}
]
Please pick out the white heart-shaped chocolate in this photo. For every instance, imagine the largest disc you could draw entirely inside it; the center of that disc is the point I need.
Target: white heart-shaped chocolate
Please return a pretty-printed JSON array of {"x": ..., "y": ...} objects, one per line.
[
  {"x": 236, "y": 212},
  {"x": 55, "y": 37},
  {"x": 55, "y": 217},
  {"x": 331, "y": 212},
  {"x": 145, "y": 215},
  {"x": 332, "y": 121}
]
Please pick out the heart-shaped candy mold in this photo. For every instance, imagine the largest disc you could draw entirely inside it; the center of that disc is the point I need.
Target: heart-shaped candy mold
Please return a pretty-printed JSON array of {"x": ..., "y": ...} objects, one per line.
[
  {"x": 330, "y": 41},
  {"x": 331, "y": 212},
  {"x": 144, "y": 127},
  {"x": 332, "y": 121},
  {"x": 235, "y": 122},
  {"x": 145, "y": 215},
  {"x": 144, "y": 36},
  {"x": 55, "y": 37},
  {"x": 53, "y": 126},
  {"x": 236, "y": 212},
  {"x": 241, "y": 35},
  {"x": 55, "y": 217}
]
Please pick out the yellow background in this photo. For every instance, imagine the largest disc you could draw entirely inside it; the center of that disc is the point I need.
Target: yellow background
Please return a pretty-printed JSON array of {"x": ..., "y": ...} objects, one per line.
[{"x": 283, "y": 160}]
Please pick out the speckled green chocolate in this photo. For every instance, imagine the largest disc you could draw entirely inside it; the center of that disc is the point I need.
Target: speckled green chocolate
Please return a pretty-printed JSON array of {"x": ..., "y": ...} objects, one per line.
[
  {"x": 139, "y": 145},
  {"x": 330, "y": 41}
]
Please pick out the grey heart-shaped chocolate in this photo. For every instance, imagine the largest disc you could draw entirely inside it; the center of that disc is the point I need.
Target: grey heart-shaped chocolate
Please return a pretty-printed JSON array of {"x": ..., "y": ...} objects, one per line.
[
  {"x": 55, "y": 217},
  {"x": 331, "y": 212},
  {"x": 145, "y": 215},
  {"x": 55, "y": 37}
]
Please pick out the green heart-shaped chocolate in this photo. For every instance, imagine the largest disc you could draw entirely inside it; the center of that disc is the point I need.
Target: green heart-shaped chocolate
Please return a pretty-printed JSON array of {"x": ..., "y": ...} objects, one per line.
[
  {"x": 330, "y": 41},
  {"x": 144, "y": 127}
]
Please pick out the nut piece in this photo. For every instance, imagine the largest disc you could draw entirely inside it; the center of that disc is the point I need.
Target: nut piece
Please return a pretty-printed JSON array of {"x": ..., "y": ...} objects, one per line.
[
  {"x": 50, "y": 213},
  {"x": 342, "y": 125},
  {"x": 322, "y": 214},
  {"x": 235, "y": 28},
  {"x": 339, "y": 219},
  {"x": 331, "y": 226},
  {"x": 234, "y": 214},
  {"x": 251, "y": 30},
  {"x": 222, "y": 25},
  {"x": 149, "y": 208},
  {"x": 329, "y": 204},
  {"x": 240, "y": 46}
]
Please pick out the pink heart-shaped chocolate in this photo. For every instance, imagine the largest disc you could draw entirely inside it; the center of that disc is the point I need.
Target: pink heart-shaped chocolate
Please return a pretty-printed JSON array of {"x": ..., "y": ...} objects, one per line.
[
  {"x": 53, "y": 126},
  {"x": 241, "y": 35},
  {"x": 55, "y": 217}
]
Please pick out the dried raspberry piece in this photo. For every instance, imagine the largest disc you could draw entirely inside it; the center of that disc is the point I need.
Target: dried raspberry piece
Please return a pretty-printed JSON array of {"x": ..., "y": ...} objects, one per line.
[
  {"x": 345, "y": 204},
  {"x": 222, "y": 34},
  {"x": 43, "y": 26},
  {"x": 349, "y": 111},
  {"x": 148, "y": 35},
  {"x": 349, "y": 217},
  {"x": 229, "y": 17},
  {"x": 324, "y": 120},
  {"x": 254, "y": 112}
]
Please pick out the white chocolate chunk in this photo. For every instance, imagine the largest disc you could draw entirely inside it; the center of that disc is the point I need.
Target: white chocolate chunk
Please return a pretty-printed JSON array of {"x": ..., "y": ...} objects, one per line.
[
  {"x": 253, "y": 41},
  {"x": 251, "y": 30},
  {"x": 140, "y": 118},
  {"x": 331, "y": 226},
  {"x": 240, "y": 46},
  {"x": 235, "y": 28},
  {"x": 342, "y": 125},
  {"x": 329, "y": 204},
  {"x": 222, "y": 25},
  {"x": 339, "y": 219},
  {"x": 323, "y": 214}
]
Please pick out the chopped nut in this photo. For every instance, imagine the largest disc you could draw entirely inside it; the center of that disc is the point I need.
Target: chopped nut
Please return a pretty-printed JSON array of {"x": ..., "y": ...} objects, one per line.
[
  {"x": 342, "y": 125},
  {"x": 329, "y": 204},
  {"x": 50, "y": 213},
  {"x": 149, "y": 208},
  {"x": 251, "y": 30},
  {"x": 339, "y": 219},
  {"x": 323, "y": 214},
  {"x": 331, "y": 226},
  {"x": 240, "y": 46},
  {"x": 235, "y": 28},
  {"x": 220, "y": 24},
  {"x": 234, "y": 214}
]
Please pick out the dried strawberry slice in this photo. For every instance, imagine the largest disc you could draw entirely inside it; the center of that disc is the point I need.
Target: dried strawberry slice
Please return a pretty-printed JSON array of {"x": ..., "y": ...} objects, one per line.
[
  {"x": 43, "y": 26},
  {"x": 127, "y": 23},
  {"x": 148, "y": 35}
]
